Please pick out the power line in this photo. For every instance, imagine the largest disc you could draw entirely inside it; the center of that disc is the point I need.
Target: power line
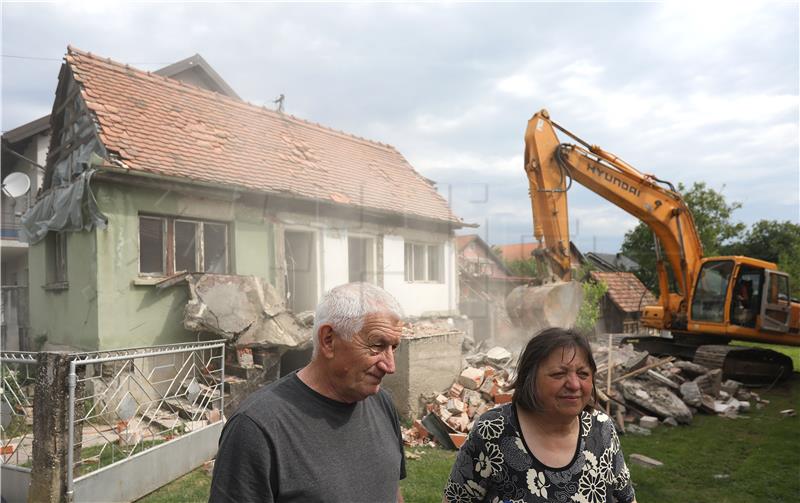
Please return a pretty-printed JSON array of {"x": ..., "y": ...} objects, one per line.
[
  {"x": 30, "y": 57},
  {"x": 36, "y": 58}
]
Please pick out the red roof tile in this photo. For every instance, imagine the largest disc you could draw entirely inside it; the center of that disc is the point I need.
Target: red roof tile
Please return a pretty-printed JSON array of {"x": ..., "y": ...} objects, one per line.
[
  {"x": 163, "y": 126},
  {"x": 625, "y": 290},
  {"x": 517, "y": 251}
]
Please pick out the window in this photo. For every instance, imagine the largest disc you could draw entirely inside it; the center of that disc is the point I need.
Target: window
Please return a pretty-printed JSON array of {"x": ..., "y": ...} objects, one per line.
[
  {"x": 424, "y": 262},
  {"x": 361, "y": 259},
  {"x": 56, "y": 256},
  {"x": 708, "y": 303},
  {"x": 170, "y": 245}
]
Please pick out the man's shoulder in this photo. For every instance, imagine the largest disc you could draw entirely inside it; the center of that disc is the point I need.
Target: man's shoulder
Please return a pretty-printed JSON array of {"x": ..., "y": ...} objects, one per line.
[{"x": 268, "y": 397}]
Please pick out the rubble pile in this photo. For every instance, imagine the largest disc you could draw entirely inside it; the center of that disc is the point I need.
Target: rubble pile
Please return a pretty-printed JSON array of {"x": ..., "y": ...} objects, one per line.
[
  {"x": 641, "y": 393},
  {"x": 482, "y": 384}
]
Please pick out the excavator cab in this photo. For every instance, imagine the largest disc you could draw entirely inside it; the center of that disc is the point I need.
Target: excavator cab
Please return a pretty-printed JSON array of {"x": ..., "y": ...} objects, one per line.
[{"x": 741, "y": 298}]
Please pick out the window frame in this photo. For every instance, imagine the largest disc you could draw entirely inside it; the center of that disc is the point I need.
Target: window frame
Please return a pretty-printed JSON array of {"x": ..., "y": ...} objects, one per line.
[
  {"x": 168, "y": 251},
  {"x": 56, "y": 260},
  {"x": 410, "y": 263}
]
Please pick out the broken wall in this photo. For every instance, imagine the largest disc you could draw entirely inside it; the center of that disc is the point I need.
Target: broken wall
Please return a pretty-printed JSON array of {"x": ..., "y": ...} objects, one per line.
[
  {"x": 425, "y": 364},
  {"x": 132, "y": 311}
]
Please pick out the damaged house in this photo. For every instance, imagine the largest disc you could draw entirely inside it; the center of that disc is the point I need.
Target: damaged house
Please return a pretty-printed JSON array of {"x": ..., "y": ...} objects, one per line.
[
  {"x": 25, "y": 153},
  {"x": 149, "y": 177}
]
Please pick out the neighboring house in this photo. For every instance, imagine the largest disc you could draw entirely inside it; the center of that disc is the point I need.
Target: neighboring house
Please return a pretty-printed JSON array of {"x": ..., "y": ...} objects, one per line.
[
  {"x": 169, "y": 177},
  {"x": 484, "y": 282},
  {"x": 623, "y": 303},
  {"x": 611, "y": 262},
  {"x": 524, "y": 251},
  {"x": 25, "y": 151}
]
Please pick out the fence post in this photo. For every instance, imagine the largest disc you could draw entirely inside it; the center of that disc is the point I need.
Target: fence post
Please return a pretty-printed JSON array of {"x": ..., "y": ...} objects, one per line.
[{"x": 50, "y": 429}]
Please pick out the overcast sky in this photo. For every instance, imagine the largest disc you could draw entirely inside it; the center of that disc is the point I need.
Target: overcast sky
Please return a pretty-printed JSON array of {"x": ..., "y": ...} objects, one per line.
[{"x": 688, "y": 91}]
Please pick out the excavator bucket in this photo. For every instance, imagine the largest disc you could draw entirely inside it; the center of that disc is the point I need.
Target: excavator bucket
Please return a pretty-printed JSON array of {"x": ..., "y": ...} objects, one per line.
[{"x": 535, "y": 308}]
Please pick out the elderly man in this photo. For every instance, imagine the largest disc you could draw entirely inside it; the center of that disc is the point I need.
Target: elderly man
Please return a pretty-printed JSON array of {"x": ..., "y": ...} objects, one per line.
[{"x": 327, "y": 432}]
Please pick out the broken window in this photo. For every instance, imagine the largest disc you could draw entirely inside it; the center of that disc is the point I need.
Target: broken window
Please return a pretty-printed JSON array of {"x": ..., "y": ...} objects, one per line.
[
  {"x": 168, "y": 245},
  {"x": 56, "y": 253},
  {"x": 361, "y": 259},
  {"x": 424, "y": 262},
  {"x": 151, "y": 245}
]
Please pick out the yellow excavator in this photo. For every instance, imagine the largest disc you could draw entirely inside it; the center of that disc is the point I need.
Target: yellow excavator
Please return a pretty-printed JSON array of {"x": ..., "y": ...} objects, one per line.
[{"x": 704, "y": 302}]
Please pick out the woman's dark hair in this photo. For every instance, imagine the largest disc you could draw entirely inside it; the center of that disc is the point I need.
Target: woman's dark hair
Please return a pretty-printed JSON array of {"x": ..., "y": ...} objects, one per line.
[{"x": 538, "y": 349}]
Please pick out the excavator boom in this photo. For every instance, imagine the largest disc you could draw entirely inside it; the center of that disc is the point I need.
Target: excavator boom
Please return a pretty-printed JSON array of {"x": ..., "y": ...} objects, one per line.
[{"x": 719, "y": 297}]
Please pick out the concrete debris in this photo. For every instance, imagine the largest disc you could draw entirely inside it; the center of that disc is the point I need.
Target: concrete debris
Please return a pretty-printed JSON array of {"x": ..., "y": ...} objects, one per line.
[
  {"x": 499, "y": 357},
  {"x": 644, "y": 393},
  {"x": 636, "y": 430},
  {"x": 244, "y": 310},
  {"x": 690, "y": 392},
  {"x": 660, "y": 401},
  {"x": 649, "y": 422},
  {"x": 471, "y": 378},
  {"x": 641, "y": 459},
  {"x": 670, "y": 421}
]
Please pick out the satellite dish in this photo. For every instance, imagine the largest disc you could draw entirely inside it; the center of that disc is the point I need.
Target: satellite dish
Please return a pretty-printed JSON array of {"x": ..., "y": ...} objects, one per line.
[{"x": 16, "y": 184}]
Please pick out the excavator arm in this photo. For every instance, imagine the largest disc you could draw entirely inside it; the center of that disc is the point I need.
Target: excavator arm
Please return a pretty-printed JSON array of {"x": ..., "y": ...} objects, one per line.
[{"x": 551, "y": 167}]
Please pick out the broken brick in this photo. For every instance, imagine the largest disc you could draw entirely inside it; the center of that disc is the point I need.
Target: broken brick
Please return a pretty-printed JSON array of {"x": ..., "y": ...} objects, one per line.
[
  {"x": 458, "y": 439},
  {"x": 488, "y": 388},
  {"x": 422, "y": 432},
  {"x": 455, "y": 406},
  {"x": 471, "y": 378},
  {"x": 501, "y": 398},
  {"x": 456, "y": 390}
]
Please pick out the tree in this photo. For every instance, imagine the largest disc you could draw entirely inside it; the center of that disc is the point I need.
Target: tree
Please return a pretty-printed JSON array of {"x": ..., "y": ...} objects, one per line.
[
  {"x": 521, "y": 267},
  {"x": 766, "y": 240},
  {"x": 772, "y": 241},
  {"x": 712, "y": 218}
]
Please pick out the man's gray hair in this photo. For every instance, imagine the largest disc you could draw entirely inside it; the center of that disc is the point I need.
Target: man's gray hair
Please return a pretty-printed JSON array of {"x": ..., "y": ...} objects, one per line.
[{"x": 344, "y": 308}]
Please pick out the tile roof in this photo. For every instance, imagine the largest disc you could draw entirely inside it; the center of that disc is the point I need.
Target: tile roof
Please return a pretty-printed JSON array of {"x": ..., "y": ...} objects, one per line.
[
  {"x": 163, "y": 126},
  {"x": 625, "y": 290},
  {"x": 518, "y": 251}
]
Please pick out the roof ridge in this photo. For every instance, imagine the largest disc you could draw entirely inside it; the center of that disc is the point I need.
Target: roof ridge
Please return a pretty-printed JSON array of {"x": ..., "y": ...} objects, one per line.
[{"x": 233, "y": 101}]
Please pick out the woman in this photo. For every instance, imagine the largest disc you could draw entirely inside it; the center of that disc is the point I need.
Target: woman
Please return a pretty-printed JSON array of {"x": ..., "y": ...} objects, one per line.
[{"x": 548, "y": 444}]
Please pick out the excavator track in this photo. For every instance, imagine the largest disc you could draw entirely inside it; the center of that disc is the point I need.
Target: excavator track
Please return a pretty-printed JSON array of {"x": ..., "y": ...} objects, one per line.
[{"x": 750, "y": 366}]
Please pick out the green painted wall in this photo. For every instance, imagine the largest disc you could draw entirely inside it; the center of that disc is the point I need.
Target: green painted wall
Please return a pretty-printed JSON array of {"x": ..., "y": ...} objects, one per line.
[
  {"x": 65, "y": 317},
  {"x": 142, "y": 315},
  {"x": 103, "y": 307}
]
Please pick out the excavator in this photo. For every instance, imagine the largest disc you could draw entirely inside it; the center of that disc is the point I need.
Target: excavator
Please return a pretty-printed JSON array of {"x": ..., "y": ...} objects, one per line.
[{"x": 704, "y": 302}]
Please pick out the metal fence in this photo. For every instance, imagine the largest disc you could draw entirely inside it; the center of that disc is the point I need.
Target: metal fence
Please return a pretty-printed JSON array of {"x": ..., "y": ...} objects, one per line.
[
  {"x": 123, "y": 403},
  {"x": 18, "y": 376}
]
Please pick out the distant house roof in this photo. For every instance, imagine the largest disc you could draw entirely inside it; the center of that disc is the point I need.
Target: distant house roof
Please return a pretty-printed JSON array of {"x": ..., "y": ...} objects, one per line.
[
  {"x": 611, "y": 262},
  {"x": 517, "y": 251},
  {"x": 152, "y": 124},
  {"x": 463, "y": 241},
  {"x": 195, "y": 69},
  {"x": 524, "y": 251},
  {"x": 625, "y": 290}
]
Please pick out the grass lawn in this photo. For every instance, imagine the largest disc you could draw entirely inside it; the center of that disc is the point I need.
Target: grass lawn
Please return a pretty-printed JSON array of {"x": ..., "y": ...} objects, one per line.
[{"x": 715, "y": 460}]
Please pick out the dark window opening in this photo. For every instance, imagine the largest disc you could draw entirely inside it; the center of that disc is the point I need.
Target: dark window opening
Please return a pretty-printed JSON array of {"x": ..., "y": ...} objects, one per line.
[{"x": 168, "y": 245}]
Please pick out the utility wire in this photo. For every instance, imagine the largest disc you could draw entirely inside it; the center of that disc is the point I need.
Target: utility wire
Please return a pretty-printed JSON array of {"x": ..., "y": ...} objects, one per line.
[{"x": 36, "y": 58}]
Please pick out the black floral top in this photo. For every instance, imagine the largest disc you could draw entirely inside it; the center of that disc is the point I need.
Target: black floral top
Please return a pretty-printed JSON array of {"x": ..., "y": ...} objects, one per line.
[{"x": 494, "y": 465}]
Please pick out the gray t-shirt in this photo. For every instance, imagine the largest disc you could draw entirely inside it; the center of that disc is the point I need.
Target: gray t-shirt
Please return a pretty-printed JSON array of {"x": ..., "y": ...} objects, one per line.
[{"x": 289, "y": 443}]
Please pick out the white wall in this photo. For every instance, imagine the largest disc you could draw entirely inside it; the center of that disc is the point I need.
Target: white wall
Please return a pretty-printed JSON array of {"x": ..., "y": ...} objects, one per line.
[
  {"x": 415, "y": 298},
  {"x": 334, "y": 258},
  {"x": 420, "y": 298}
]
